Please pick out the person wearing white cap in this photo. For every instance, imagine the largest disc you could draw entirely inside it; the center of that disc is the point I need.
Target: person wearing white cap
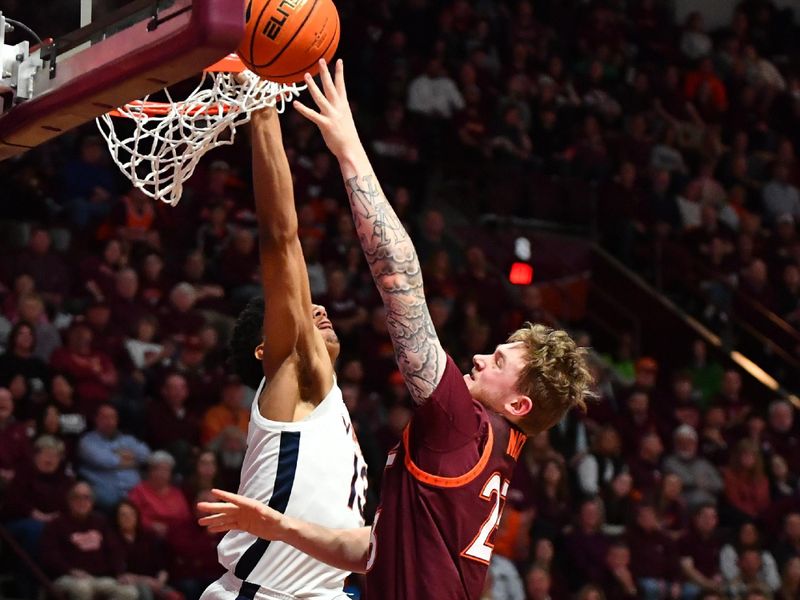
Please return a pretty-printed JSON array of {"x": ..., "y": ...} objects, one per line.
[{"x": 701, "y": 480}]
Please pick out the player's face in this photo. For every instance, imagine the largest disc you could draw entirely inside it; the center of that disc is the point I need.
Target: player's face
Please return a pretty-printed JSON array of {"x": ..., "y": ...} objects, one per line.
[
  {"x": 323, "y": 323},
  {"x": 493, "y": 378}
]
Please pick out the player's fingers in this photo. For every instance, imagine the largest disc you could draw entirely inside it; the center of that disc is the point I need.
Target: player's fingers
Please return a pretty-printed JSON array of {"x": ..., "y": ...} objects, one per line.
[
  {"x": 316, "y": 94},
  {"x": 220, "y": 528},
  {"x": 308, "y": 113},
  {"x": 327, "y": 83},
  {"x": 340, "y": 79},
  {"x": 215, "y": 519},
  {"x": 215, "y": 507},
  {"x": 229, "y": 497}
]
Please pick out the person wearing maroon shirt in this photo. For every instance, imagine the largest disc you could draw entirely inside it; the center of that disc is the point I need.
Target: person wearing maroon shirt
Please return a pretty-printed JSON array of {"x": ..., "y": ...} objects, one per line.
[
  {"x": 192, "y": 552},
  {"x": 699, "y": 553},
  {"x": 653, "y": 562},
  {"x": 586, "y": 545},
  {"x": 77, "y": 551},
  {"x": 171, "y": 422},
  {"x": 93, "y": 372},
  {"x": 15, "y": 447},
  {"x": 645, "y": 467},
  {"x": 445, "y": 483},
  {"x": 617, "y": 580}
]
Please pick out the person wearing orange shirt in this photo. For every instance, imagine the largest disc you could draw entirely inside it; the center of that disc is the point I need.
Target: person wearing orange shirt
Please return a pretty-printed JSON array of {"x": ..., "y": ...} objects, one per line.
[{"x": 227, "y": 412}]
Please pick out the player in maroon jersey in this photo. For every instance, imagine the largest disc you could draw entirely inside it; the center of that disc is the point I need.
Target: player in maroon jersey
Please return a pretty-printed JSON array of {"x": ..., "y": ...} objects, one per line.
[{"x": 445, "y": 485}]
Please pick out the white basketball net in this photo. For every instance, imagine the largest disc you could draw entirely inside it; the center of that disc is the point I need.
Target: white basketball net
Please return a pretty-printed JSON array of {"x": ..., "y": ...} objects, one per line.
[{"x": 170, "y": 138}]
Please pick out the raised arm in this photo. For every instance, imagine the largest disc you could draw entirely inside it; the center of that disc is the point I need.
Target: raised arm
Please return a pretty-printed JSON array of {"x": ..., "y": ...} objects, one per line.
[
  {"x": 294, "y": 352},
  {"x": 386, "y": 244}
]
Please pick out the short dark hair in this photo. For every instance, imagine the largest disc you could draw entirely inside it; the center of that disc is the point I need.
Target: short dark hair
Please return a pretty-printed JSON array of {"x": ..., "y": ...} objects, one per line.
[{"x": 246, "y": 336}]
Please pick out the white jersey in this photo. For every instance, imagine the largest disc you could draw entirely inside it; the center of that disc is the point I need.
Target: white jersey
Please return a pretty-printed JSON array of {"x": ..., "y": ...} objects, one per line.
[{"x": 311, "y": 469}]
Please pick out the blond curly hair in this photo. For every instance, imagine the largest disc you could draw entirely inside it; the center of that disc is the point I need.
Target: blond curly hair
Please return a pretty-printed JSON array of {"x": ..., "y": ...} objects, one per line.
[{"x": 555, "y": 376}]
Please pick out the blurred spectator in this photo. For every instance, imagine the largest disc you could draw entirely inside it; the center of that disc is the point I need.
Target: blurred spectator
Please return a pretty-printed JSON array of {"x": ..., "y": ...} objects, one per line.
[
  {"x": 192, "y": 552},
  {"x": 204, "y": 476},
  {"x": 229, "y": 411},
  {"x": 586, "y": 544},
  {"x": 733, "y": 555},
  {"x": 92, "y": 371},
  {"x": 31, "y": 310},
  {"x": 78, "y": 552},
  {"x": 653, "y": 562},
  {"x": 780, "y": 196},
  {"x": 19, "y": 361},
  {"x": 701, "y": 481},
  {"x": 110, "y": 460},
  {"x": 618, "y": 581},
  {"x": 790, "y": 585},
  {"x": 551, "y": 496},
  {"x": 171, "y": 421},
  {"x": 597, "y": 469},
  {"x": 699, "y": 552},
  {"x": 36, "y": 494},
  {"x": 645, "y": 467},
  {"x": 48, "y": 270},
  {"x": 537, "y": 584},
  {"x": 433, "y": 94},
  {"x": 142, "y": 555},
  {"x": 161, "y": 504},
  {"x": 15, "y": 448},
  {"x": 180, "y": 318},
  {"x": 788, "y": 544},
  {"x": 746, "y": 485},
  {"x": 781, "y": 436}
]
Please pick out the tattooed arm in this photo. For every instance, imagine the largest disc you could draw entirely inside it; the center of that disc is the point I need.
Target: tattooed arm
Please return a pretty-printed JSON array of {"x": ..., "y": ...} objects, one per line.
[{"x": 387, "y": 247}]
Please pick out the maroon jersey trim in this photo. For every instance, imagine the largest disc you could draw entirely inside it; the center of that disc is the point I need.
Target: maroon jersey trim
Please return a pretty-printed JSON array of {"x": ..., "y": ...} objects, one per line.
[{"x": 447, "y": 482}]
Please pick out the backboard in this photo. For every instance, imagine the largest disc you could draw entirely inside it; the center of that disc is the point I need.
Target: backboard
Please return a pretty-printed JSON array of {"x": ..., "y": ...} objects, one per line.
[{"x": 96, "y": 55}]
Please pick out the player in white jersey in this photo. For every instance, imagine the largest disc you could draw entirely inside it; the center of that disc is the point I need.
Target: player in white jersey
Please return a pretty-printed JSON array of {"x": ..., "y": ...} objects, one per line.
[{"x": 302, "y": 456}]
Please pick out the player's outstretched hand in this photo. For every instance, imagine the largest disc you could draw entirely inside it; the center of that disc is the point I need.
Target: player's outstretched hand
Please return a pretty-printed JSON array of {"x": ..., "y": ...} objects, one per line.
[
  {"x": 239, "y": 512},
  {"x": 333, "y": 117}
]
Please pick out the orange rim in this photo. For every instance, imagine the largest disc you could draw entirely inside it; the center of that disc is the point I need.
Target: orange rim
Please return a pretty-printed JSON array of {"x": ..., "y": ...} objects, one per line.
[{"x": 139, "y": 108}]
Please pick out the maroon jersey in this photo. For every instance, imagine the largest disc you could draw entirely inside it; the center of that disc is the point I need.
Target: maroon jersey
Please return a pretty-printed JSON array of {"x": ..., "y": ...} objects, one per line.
[{"x": 443, "y": 492}]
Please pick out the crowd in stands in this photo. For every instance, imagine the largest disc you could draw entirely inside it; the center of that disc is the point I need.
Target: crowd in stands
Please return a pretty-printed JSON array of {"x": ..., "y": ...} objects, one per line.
[{"x": 118, "y": 410}]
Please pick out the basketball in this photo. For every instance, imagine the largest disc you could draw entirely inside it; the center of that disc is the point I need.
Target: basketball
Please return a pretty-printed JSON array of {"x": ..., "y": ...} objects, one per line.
[{"x": 284, "y": 39}]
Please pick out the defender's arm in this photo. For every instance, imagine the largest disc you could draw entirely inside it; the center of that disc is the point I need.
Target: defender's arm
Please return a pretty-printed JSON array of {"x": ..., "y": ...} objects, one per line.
[
  {"x": 294, "y": 352},
  {"x": 387, "y": 247}
]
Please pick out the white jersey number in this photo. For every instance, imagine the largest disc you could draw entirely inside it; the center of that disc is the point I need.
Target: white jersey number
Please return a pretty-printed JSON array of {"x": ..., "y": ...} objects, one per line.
[{"x": 496, "y": 488}]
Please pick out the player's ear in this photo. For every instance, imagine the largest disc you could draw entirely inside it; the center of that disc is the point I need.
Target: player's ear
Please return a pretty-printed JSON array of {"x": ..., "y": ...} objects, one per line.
[
  {"x": 259, "y": 352},
  {"x": 519, "y": 405}
]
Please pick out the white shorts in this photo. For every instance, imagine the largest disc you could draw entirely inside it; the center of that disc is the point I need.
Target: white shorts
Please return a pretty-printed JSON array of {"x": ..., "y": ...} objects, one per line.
[{"x": 230, "y": 587}]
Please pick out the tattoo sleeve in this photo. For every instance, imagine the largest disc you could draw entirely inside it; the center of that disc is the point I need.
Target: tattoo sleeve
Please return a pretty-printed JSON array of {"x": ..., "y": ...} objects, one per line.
[{"x": 397, "y": 273}]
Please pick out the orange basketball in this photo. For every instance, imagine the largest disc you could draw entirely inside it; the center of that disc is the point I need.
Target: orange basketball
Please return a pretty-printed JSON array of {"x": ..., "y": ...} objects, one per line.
[{"x": 284, "y": 39}]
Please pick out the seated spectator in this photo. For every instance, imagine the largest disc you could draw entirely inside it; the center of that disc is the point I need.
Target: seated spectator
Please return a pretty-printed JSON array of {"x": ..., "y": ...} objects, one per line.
[
  {"x": 701, "y": 481},
  {"x": 109, "y": 459},
  {"x": 93, "y": 372},
  {"x": 636, "y": 420},
  {"x": 98, "y": 272},
  {"x": 746, "y": 485},
  {"x": 671, "y": 507},
  {"x": 192, "y": 551},
  {"x": 20, "y": 361},
  {"x": 699, "y": 553},
  {"x": 618, "y": 581},
  {"x": 171, "y": 421},
  {"x": 78, "y": 553},
  {"x": 204, "y": 477},
  {"x": 782, "y": 483},
  {"x": 750, "y": 577},
  {"x": 161, "y": 504},
  {"x": 73, "y": 423},
  {"x": 15, "y": 447},
  {"x": 586, "y": 544},
  {"x": 715, "y": 435},
  {"x": 142, "y": 554},
  {"x": 653, "y": 562},
  {"x": 503, "y": 580},
  {"x": 180, "y": 318},
  {"x": 695, "y": 42},
  {"x": 551, "y": 496},
  {"x": 133, "y": 217},
  {"x": 780, "y": 197},
  {"x": 537, "y": 584},
  {"x": 646, "y": 468},
  {"x": 788, "y": 544},
  {"x": 48, "y": 270},
  {"x": 790, "y": 585},
  {"x": 229, "y": 411},
  {"x": 598, "y": 469},
  {"x": 229, "y": 448},
  {"x": 126, "y": 307},
  {"x": 732, "y": 555},
  {"x": 781, "y": 436},
  {"x": 36, "y": 495},
  {"x": 48, "y": 339}
]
